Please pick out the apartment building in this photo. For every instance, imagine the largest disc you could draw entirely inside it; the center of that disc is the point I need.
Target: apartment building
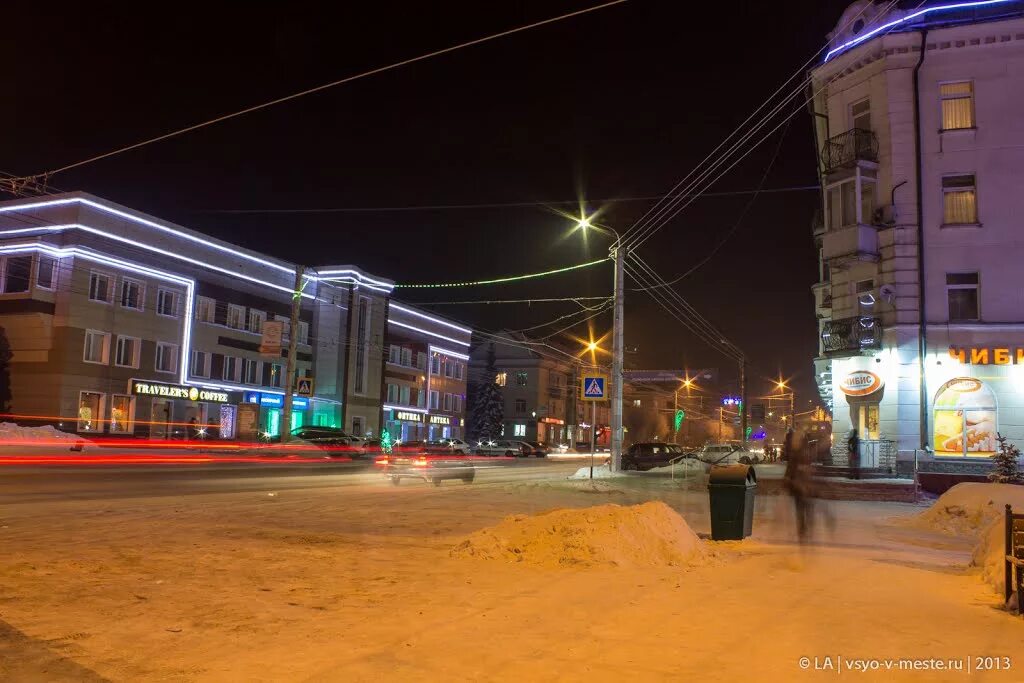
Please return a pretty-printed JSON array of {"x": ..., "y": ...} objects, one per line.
[
  {"x": 917, "y": 116},
  {"x": 121, "y": 323},
  {"x": 426, "y": 374}
]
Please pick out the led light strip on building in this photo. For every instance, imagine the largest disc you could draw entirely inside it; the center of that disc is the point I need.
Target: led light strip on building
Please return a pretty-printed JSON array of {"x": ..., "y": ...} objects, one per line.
[
  {"x": 927, "y": 10},
  {"x": 354, "y": 276},
  {"x": 428, "y": 332},
  {"x": 408, "y": 409},
  {"x": 439, "y": 321}
]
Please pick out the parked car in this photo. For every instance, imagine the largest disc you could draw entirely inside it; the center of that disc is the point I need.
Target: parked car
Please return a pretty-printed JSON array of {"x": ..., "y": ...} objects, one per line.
[
  {"x": 726, "y": 454},
  {"x": 331, "y": 439},
  {"x": 645, "y": 455},
  {"x": 431, "y": 467},
  {"x": 507, "y": 448},
  {"x": 537, "y": 449},
  {"x": 450, "y": 445}
]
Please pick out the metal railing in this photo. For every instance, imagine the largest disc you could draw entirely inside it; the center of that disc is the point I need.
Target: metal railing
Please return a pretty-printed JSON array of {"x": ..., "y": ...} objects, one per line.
[
  {"x": 847, "y": 148},
  {"x": 845, "y": 335}
]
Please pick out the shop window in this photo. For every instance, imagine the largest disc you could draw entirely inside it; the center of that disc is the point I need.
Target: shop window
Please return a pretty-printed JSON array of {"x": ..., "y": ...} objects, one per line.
[
  {"x": 957, "y": 105},
  {"x": 120, "y": 414},
  {"x": 16, "y": 274},
  {"x": 132, "y": 293},
  {"x": 866, "y": 417},
  {"x": 99, "y": 287},
  {"x": 962, "y": 295},
  {"x": 965, "y": 419},
  {"x": 90, "y": 417},
  {"x": 254, "y": 321},
  {"x": 46, "y": 272},
  {"x": 236, "y": 314},
  {"x": 959, "y": 200},
  {"x": 127, "y": 354},
  {"x": 97, "y": 347},
  {"x": 167, "y": 303},
  {"x": 166, "y": 357}
]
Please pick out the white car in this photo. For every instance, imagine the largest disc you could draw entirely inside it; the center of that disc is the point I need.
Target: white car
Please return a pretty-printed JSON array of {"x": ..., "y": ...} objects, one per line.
[
  {"x": 507, "y": 448},
  {"x": 722, "y": 454},
  {"x": 454, "y": 445}
]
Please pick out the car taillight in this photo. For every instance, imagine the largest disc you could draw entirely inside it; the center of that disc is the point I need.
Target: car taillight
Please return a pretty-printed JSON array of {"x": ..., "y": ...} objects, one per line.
[{"x": 421, "y": 462}]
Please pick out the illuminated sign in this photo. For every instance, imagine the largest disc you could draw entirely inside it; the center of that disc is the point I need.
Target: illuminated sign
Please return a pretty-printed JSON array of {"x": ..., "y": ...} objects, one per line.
[
  {"x": 275, "y": 400},
  {"x": 860, "y": 383},
  {"x": 552, "y": 421},
  {"x": 440, "y": 420},
  {"x": 988, "y": 356},
  {"x": 187, "y": 393},
  {"x": 407, "y": 416}
]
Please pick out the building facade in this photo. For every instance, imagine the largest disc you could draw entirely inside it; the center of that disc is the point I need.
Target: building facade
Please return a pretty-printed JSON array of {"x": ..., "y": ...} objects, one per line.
[
  {"x": 124, "y": 324},
  {"x": 426, "y": 372},
  {"x": 917, "y": 116}
]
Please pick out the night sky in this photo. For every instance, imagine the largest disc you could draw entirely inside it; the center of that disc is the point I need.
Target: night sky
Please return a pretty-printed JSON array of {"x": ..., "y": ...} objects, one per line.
[{"x": 619, "y": 103}]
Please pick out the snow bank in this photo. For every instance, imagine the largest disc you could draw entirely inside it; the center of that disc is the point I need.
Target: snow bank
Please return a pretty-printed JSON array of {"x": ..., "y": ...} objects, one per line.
[
  {"x": 968, "y": 508},
  {"x": 645, "y": 535},
  {"x": 12, "y": 432},
  {"x": 600, "y": 472}
]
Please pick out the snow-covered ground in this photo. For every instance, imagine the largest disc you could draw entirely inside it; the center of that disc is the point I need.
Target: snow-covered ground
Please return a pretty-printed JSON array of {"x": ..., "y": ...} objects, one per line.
[
  {"x": 14, "y": 435},
  {"x": 368, "y": 582}
]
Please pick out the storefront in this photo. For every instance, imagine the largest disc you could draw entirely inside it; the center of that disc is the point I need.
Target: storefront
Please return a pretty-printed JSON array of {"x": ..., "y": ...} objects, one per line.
[
  {"x": 440, "y": 427},
  {"x": 271, "y": 409},
  {"x": 551, "y": 430},
  {"x": 405, "y": 425},
  {"x": 167, "y": 411}
]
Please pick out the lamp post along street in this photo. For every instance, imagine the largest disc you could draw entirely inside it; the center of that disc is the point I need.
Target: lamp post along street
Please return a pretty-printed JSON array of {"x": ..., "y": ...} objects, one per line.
[
  {"x": 617, "y": 353},
  {"x": 293, "y": 336},
  {"x": 593, "y": 436},
  {"x": 743, "y": 401}
]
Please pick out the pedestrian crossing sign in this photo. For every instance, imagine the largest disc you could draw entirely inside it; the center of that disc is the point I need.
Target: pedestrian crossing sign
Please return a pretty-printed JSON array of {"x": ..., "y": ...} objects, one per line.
[
  {"x": 304, "y": 386},
  {"x": 594, "y": 387}
]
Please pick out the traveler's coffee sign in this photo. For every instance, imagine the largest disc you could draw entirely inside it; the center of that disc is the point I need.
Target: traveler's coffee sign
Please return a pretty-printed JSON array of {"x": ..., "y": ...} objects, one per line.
[
  {"x": 181, "y": 391},
  {"x": 860, "y": 383}
]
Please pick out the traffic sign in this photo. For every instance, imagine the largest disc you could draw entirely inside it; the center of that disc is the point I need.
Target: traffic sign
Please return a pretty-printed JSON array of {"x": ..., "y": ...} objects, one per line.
[
  {"x": 304, "y": 386},
  {"x": 594, "y": 387}
]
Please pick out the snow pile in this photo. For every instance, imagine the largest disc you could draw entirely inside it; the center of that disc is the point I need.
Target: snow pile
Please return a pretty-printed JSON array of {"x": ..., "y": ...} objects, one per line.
[
  {"x": 966, "y": 509},
  {"x": 600, "y": 472},
  {"x": 13, "y": 432},
  {"x": 645, "y": 535},
  {"x": 989, "y": 554}
]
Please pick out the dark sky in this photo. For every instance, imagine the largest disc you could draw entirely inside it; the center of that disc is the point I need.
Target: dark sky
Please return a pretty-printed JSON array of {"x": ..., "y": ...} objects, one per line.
[{"x": 619, "y": 103}]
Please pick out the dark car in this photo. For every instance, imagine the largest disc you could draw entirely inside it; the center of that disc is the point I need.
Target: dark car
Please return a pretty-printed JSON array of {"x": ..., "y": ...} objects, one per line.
[
  {"x": 432, "y": 467},
  {"x": 644, "y": 456},
  {"x": 330, "y": 439},
  {"x": 538, "y": 449}
]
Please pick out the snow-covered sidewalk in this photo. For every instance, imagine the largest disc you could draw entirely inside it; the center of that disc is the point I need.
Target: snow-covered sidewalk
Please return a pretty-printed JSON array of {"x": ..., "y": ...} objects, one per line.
[{"x": 361, "y": 583}]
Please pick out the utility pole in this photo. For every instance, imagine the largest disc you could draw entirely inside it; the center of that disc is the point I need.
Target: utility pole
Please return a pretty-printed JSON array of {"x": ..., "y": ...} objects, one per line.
[
  {"x": 617, "y": 353},
  {"x": 293, "y": 338},
  {"x": 743, "y": 401}
]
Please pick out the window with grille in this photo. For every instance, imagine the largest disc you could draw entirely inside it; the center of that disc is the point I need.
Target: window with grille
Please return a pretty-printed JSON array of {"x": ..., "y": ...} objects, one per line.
[
  {"x": 959, "y": 200},
  {"x": 957, "y": 105}
]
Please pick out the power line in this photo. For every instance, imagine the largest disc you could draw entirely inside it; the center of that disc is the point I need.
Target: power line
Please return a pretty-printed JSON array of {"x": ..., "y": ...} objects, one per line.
[
  {"x": 325, "y": 86},
  {"x": 514, "y": 301},
  {"x": 513, "y": 278},
  {"x": 503, "y": 205}
]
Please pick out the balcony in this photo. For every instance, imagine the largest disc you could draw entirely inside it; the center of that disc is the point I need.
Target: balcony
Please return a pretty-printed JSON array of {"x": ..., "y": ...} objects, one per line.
[
  {"x": 818, "y": 223},
  {"x": 822, "y": 299},
  {"x": 848, "y": 148},
  {"x": 851, "y": 335},
  {"x": 853, "y": 242}
]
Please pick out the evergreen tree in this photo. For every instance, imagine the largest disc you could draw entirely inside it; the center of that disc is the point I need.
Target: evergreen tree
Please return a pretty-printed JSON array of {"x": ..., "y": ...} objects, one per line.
[
  {"x": 487, "y": 409},
  {"x": 5, "y": 372},
  {"x": 1007, "y": 463}
]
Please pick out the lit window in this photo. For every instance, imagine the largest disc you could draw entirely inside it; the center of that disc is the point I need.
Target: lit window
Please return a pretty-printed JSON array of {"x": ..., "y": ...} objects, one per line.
[
  {"x": 959, "y": 200},
  {"x": 636, "y": 403},
  {"x": 97, "y": 346},
  {"x": 131, "y": 294},
  {"x": 127, "y": 355},
  {"x": 120, "y": 413},
  {"x": 501, "y": 379},
  {"x": 90, "y": 406},
  {"x": 521, "y": 378},
  {"x": 46, "y": 275},
  {"x": 99, "y": 287},
  {"x": 519, "y": 429},
  {"x": 957, "y": 105},
  {"x": 167, "y": 303},
  {"x": 166, "y": 357},
  {"x": 962, "y": 294}
]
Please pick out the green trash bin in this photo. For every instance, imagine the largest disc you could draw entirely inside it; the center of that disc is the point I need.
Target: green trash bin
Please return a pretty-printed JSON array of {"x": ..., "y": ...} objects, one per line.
[{"x": 731, "y": 490}]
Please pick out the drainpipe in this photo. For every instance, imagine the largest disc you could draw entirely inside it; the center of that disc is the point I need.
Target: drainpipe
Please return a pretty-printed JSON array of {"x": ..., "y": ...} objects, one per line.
[{"x": 922, "y": 316}]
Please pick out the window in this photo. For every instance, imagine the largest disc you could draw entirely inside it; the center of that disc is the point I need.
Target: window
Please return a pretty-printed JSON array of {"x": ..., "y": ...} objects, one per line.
[
  {"x": 448, "y": 403},
  {"x": 405, "y": 396},
  {"x": 860, "y": 114},
  {"x": 200, "y": 364},
  {"x": 520, "y": 406},
  {"x": 863, "y": 286},
  {"x": 521, "y": 378},
  {"x": 959, "y": 200},
  {"x": 99, "y": 287},
  {"x": 395, "y": 354},
  {"x": 460, "y": 369},
  {"x": 236, "y": 316},
  {"x": 205, "y": 308},
  {"x": 16, "y": 274},
  {"x": 421, "y": 398},
  {"x": 303, "y": 332},
  {"x": 433, "y": 400},
  {"x": 501, "y": 379},
  {"x": 286, "y": 326},
  {"x": 276, "y": 375},
  {"x": 97, "y": 347},
  {"x": 127, "y": 355},
  {"x": 90, "y": 411},
  {"x": 131, "y": 294},
  {"x": 449, "y": 368},
  {"x": 166, "y": 357},
  {"x": 392, "y": 393},
  {"x": 636, "y": 403},
  {"x": 457, "y": 405},
  {"x": 120, "y": 413},
  {"x": 255, "y": 320},
  {"x": 362, "y": 344},
  {"x": 957, "y": 105},
  {"x": 167, "y": 303},
  {"x": 435, "y": 365},
  {"x": 962, "y": 293},
  {"x": 421, "y": 360},
  {"x": 519, "y": 429},
  {"x": 46, "y": 272},
  {"x": 357, "y": 426},
  {"x": 232, "y": 368},
  {"x": 407, "y": 357},
  {"x": 250, "y": 371}
]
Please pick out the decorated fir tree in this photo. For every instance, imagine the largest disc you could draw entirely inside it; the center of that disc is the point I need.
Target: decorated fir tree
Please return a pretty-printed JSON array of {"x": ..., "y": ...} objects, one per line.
[
  {"x": 1007, "y": 463},
  {"x": 487, "y": 408}
]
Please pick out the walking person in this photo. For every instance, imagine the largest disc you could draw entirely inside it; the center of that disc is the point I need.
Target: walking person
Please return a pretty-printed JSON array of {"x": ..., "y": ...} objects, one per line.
[
  {"x": 853, "y": 454},
  {"x": 798, "y": 483}
]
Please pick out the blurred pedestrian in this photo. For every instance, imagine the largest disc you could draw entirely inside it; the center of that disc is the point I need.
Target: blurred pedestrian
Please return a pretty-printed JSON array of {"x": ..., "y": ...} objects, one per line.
[
  {"x": 798, "y": 483},
  {"x": 787, "y": 444},
  {"x": 853, "y": 454}
]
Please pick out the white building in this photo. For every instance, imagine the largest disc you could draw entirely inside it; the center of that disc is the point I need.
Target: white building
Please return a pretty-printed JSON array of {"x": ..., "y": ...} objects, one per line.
[{"x": 919, "y": 119}]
